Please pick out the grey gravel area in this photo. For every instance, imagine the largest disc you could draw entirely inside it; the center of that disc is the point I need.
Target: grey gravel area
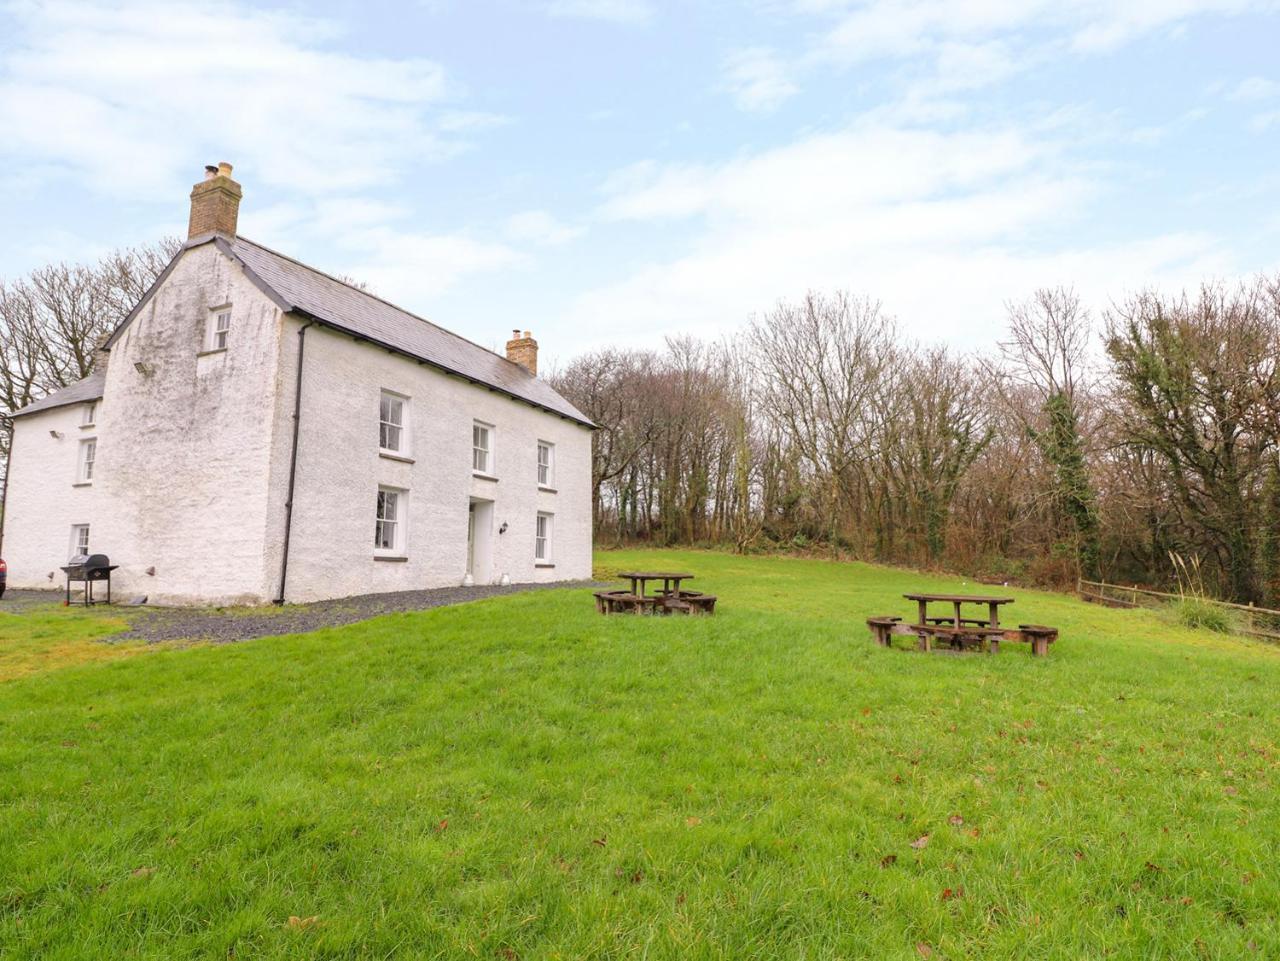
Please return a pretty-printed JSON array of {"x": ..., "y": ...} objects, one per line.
[
  {"x": 15, "y": 602},
  {"x": 244, "y": 623}
]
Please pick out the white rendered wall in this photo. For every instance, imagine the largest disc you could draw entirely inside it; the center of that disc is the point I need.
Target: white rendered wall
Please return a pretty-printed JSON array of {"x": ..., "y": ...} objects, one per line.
[
  {"x": 184, "y": 461},
  {"x": 44, "y": 498},
  {"x": 340, "y": 469}
]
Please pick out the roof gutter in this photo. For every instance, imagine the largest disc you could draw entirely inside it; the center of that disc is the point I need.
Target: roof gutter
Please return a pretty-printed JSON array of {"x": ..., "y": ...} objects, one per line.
[
  {"x": 444, "y": 369},
  {"x": 293, "y": 462}
]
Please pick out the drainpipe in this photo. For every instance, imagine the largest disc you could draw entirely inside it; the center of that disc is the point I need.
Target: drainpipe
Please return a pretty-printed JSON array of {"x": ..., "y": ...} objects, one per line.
[
  {"x": 293, "y": 461},
  {"x": 4, "y": 495}
]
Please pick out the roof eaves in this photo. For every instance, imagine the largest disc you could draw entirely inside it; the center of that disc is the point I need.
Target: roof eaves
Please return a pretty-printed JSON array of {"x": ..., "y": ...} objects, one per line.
[{"x": 443, "y": 368}]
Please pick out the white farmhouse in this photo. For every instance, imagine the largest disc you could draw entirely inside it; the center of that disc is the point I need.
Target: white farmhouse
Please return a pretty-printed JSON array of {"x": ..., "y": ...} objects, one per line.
[{"x": 257, "y": 431}]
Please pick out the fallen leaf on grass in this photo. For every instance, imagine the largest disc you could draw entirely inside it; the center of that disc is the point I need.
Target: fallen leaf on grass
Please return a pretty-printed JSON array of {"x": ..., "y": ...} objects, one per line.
[
  {"x": 920, "y": 842},
  {"x": 692, "y": 821},
  {"x": 600, "y": 841},
  {"x": 948, "y": 893},
  {"x": 143, "y": 872},
  {"x": 955, "y": 820},
  {"x": 888, "y": 860},
  {"x": 442, "y": 826},
  {"x": 302, "y": 924},
  {"x": 924, "y": 950}
]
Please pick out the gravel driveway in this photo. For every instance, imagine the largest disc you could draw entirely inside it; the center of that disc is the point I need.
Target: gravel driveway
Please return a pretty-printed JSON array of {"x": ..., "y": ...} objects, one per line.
[{"x": 244, "y": 623}]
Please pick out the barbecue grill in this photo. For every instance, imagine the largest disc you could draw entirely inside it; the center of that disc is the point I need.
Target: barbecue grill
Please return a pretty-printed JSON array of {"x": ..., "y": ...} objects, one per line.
[{"x": 88, "y": 568}]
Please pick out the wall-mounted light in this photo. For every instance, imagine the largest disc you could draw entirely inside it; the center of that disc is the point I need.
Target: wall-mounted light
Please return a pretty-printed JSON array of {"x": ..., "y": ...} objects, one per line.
[
  {"x": 503, "y": 528},
  {"x": 143, "y": 368},
  {"x": 56, "y": 435}
]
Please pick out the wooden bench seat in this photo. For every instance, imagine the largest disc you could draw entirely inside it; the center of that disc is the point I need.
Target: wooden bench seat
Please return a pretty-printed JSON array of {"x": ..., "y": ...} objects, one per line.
[
  {"x": 882, "y": 629},
  {"x": 960, "y": 637},
  {"x": 1039, "y": 636},
  {"x": 614, "y": 602}
]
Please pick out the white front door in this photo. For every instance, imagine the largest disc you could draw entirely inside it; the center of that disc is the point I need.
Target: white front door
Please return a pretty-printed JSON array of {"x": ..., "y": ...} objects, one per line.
[{"x": 471, "y": 539}]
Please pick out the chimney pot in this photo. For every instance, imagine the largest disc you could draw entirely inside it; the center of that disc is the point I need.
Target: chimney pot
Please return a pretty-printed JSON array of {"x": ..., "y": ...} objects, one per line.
[
  {"x": 523, "y": 351},
  {"x": 215, "y": 203}
]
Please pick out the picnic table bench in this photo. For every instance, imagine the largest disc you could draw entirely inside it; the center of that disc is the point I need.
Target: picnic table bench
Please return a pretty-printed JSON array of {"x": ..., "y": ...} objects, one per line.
[
  {"x": 958, "y": 632},
  {"x": 668, "y": 599}
]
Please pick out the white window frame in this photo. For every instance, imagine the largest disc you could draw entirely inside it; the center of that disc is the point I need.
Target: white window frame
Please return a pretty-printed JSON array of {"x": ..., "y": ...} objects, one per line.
[
  {"x": 547, "y": 468},
  {"x": 482, "y": 465},
  {"x": 217, "y": 335},
  {"x": 79, "y": 539},
  {"x": 401, "y": 448},
  {"x": 89, "y": 415},
  {"x": 544, "y": 538},
  {"x": 398, "y": 521},
  {"x": 86, "y": 458}
]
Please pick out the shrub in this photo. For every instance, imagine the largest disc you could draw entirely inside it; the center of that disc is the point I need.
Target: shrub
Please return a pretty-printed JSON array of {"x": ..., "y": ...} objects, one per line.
[{"x": 1200, "y": 613}]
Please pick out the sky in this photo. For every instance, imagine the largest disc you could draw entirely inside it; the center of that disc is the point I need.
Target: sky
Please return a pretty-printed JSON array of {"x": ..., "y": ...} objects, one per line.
[{"x": 612, "y": 172}]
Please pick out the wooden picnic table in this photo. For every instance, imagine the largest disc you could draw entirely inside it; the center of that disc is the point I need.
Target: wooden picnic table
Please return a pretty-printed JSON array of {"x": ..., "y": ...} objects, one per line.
[
  {"x": 956, "y": 600},
  {"x": 670, "y": 581}
]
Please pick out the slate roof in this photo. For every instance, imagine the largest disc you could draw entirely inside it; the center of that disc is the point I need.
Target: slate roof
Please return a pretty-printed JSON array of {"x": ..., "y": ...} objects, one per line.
[
  {"x": 80, "y": 392},
  {"x": 299, "y": 288}
]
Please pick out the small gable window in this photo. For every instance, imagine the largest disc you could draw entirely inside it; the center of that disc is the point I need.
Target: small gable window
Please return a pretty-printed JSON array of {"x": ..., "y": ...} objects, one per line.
[
  {"x": 89, "y": 415},
  {"x": 219, "y": 328}
]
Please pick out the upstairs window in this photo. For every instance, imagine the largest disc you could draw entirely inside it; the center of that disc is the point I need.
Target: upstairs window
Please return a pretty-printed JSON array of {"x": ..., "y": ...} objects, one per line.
[
  {"x": 391, "y": 423},
  {"x": 481, "y": 448},
  {"x": 219, "y": 328},
  {"x": 88, "y": 454},
  {"x": 546, "y": 464},
  {"x": 388, "y": 531},
  {"x": 89, "y": 414},
  {"x": 542, "y": 539}
]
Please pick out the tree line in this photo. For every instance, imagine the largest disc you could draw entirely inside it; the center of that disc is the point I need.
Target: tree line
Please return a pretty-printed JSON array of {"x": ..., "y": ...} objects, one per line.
[{"x": 1078, "y": 446}]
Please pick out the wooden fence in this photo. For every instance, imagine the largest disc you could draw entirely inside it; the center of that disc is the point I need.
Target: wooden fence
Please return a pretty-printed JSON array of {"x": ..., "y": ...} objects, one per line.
[{"x": 1255, "y": 621}]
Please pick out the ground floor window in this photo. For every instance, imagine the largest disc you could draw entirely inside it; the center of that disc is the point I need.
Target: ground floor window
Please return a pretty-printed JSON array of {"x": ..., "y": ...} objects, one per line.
[
  {"x": 542, "y": 539},
  {"x": 79, "y": 539},
  {"x": 389, "y": 523}
]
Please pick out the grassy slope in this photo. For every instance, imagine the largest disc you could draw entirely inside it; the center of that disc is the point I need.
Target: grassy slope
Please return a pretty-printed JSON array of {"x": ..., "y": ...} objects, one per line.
[{"x": 522, "y": 778}]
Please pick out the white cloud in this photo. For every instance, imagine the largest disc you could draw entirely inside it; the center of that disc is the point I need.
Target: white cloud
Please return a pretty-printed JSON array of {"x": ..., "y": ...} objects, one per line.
[
  {"x": 137, "y": 96},
  {"x": 615, "y": 11},
  {"x": 757, "y": 79},
  {"x": 540, "y": 227},
  {"x": 1255, "y": 88},
  {"x": 1265, "y": 121},
  {"x": 943, "y": 227},
  {"x": 411, "y": 268},
  {"x": 375, "y": 242},
  {"x": 866, "y": 29}
]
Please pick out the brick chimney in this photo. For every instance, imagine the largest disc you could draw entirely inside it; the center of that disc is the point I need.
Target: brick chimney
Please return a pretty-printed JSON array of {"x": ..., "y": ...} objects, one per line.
[
  {"x": 215, "y": 203},
  {"x": 523, "y": 351}
]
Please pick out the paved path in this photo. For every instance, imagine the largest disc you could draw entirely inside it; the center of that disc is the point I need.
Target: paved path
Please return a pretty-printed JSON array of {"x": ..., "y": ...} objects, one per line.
[{"x": 244, "y": 623}]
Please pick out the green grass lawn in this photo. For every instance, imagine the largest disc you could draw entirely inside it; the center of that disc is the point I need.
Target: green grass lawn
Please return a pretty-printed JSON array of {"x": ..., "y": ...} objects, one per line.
[{"x": 521, "y": 778}]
